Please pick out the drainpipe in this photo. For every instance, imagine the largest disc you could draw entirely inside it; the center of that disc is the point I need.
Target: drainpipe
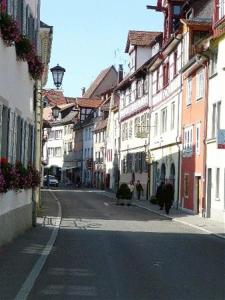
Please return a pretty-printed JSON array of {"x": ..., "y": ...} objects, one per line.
[{"x": 204, "y": 206}]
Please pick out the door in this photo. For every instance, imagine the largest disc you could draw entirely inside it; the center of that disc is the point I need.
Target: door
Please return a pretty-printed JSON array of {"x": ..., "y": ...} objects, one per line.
[
  {"x": 209, "y": 193},
  {"x": 197, "y": 194}
]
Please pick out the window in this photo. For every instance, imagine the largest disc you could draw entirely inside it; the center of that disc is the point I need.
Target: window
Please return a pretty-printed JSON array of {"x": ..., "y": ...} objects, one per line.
[
  {"x": 157, "y": 80},
  {"x": 176, "y": 10},
  {"x": 221, "y": 9},
  {"x": 137, "y": 126},
  {"x": 139, "y": 88},
  {"x": 156, "y": 125},
  {"x": 58, "y": 134},
  {"x": 186, "y": 185},
  {"x": 165, "y": 74},
  {"x": 130, "y": 129},
  {"x": 145, "y": 85},
  {"x": 58, "y": 151},
  {"x": 216, "y": 112},
  {"x": 189, "y": 91},
  {"x": 217, "y": 183},
  {"x": 164, "y": 120},
  {"x": 213, "y": 62},
  {"x": 129, "y": 95},
  {"x": 50, "y": 151},
  {"x": 172, "y": 121},
  {"x": 175, "y": 64},
  {"x": 70, "y": 146},
  {"x": 188, "y": 139},
  {"x": 198, "y": 131},
  {"x": 199, "y": 85}
]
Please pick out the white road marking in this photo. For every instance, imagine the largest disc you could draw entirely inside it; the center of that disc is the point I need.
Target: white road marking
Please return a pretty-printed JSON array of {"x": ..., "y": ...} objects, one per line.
[
  {"x": 32, "y": 277},
  {"x": 106, "y": 204}
]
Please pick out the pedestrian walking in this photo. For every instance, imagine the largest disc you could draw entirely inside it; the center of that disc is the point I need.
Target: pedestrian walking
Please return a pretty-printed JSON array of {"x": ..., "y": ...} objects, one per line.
[
  {"x": 160, "y": 196},
  {"x": 168, "y": 195},
  {"x": 139, "y": 189},
  {"x": 131, "y": 187}
]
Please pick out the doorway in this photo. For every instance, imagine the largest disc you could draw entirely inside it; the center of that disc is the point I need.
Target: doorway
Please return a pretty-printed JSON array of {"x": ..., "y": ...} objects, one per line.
[{"x": 197, "y": 194}]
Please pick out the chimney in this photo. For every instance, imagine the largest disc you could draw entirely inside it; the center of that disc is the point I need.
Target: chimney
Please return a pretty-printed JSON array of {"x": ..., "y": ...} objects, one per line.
[
  {"x": 120, "y": 73},
  {"x": 83, "y": 91}
]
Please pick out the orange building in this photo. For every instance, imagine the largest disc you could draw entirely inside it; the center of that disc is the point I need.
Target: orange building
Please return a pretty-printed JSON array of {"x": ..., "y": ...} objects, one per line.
[{"x": 194, "y": 116}]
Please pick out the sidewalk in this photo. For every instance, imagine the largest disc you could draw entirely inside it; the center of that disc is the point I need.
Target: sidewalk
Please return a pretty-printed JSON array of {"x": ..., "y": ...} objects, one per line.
[
  {"x": 195, "y": 221},
  {"x": 19, "y": 257}
]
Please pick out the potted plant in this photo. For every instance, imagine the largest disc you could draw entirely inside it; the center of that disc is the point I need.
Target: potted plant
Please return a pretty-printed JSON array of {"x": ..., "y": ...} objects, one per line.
[
  {"x": 9, "y": 29},
  {"x": 123, "y": 195}
]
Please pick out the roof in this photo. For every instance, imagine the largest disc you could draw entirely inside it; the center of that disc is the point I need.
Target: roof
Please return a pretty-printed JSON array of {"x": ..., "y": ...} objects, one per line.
[
  {"x": 95, "y": 84},
  {"x": 54, "y": 97},
  {"x": 89, "y": 102},
  {"x": 101, "y": 125},
  {"x": 198, "y": 22},
  {"x": 141, "y": 38},
  {"x": 70, "y": 117},
  {"x": 65, "y": 106},
  {"x": 70, "y": 99}
]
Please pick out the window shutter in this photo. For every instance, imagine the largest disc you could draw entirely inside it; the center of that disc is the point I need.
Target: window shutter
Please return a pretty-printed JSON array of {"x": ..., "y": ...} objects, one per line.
[
  {"x": 26, "y": 133},
  {"x": 10, "y": 7},
  {"x": 10, "y": 138},
  {"x": 22, "y": 139},
  {"x": 5, "y": 130},
  {"x": 19, "y": 14},
  {"x": 14, "y": 139},
  {"x": 1, "y": 108},
  {"x": 24, "y": 17}
]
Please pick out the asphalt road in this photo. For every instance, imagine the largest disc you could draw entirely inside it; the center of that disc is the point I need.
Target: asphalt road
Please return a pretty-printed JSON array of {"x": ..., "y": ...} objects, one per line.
[{"x": 108, "y": 252}]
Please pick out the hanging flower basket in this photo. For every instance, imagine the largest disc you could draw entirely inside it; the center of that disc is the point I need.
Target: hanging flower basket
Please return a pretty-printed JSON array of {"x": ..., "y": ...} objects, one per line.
[
  {"x": 36, "y": 67},
  {"x": 17, "y": 177},
  {"x": 9, "y": 29},
  {"x": 24, "y": 49}
]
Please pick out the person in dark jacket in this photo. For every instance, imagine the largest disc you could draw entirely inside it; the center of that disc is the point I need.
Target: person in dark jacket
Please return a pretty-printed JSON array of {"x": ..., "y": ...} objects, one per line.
[
  {"x": 168, "y": 195},
  {"x": 139, "y": 189},
  {"x": 159, "y": 195}
]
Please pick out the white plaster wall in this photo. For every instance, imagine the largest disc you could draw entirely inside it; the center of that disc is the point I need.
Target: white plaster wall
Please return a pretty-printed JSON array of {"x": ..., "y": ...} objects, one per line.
[
  {"x": 13, "y": 200},
  {"x": 143, "y": 54},
  {"x": 16, "y": 86},
  {"x": 56, "y": 161},
  {"x": 216, "y": 157}
]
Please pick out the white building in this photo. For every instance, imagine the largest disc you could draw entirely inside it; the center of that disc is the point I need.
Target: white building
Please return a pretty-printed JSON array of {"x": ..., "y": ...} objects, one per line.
[
  {"x": 134, "y": 112},
  {"x": 165, "y": 126},
  {"x": 58, "y": 151},
  {"x": 17, "y": 117},
  {"x": 215, "y": 162}
]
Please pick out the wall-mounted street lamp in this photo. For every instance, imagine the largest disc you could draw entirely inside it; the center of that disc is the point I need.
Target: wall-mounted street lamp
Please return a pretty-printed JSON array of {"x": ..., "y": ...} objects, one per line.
[
  {"x": 55, "y": 112},
  {"x": 57, "y": 74}
]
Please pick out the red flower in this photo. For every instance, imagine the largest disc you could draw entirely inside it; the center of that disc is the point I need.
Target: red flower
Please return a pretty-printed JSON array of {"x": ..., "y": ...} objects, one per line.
[{"x": 3, "y": 161}]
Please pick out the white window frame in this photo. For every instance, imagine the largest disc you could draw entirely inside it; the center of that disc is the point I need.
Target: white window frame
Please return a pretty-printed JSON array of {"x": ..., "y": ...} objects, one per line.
[
  {"x": 198, "y": 139},
  {"x": 189, "y": 91},
  {"x": 164, "y": 120},
  {"x": 200, "y": 85},
  {"x": 172, "y": 121},
  {"x": 188, "y": 140}
]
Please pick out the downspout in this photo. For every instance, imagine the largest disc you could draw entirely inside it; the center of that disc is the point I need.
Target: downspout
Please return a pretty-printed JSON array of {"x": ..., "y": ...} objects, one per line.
[{"x": 204, "y": 208}]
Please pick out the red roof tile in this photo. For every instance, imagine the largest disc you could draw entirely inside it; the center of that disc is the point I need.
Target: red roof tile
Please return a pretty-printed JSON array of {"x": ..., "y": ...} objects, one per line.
[
  {"x": 54, "y": 97},
  {"x": 89, "y": 102},
  {"x": 141, "y": 38}
]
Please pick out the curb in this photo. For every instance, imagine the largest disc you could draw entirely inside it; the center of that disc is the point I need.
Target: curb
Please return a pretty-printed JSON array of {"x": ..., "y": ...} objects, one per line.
[{"x": 174, "y": 219}]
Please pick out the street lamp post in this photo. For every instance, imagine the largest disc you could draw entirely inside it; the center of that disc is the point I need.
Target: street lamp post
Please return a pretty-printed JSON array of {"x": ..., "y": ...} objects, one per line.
[{"x": 57, "y": 74}]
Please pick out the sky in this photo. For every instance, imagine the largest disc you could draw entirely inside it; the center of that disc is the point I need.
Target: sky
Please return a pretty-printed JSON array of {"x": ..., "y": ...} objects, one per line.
[{"x": 91, "y": 35}]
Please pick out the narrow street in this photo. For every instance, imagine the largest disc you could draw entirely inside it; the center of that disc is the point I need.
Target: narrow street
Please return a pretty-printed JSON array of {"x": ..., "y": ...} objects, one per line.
[{"x": 104, "y": 251}]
